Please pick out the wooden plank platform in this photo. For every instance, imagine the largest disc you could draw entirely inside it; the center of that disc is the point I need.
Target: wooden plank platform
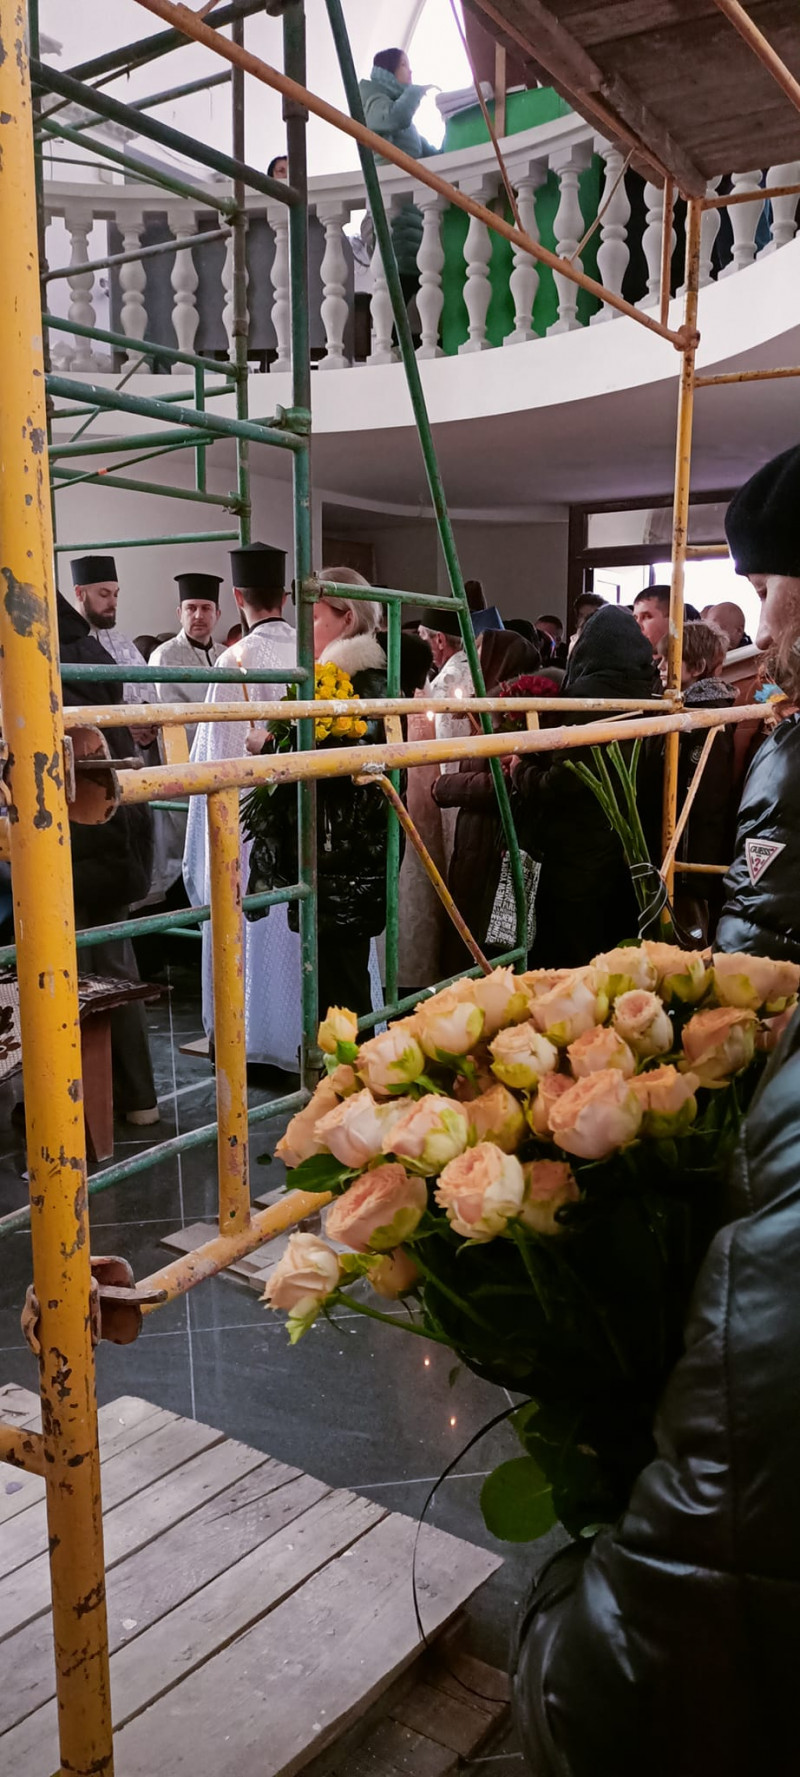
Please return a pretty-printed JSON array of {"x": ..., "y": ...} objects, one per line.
[{"x": 258, "y": 1619}]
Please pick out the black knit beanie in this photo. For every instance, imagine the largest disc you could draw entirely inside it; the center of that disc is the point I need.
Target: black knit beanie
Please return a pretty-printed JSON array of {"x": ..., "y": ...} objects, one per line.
[{"x": 762, "y": 523}]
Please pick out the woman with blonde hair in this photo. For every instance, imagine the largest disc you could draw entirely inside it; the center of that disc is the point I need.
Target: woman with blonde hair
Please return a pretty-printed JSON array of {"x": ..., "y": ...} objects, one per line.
[{"x": 351, "y": 818}]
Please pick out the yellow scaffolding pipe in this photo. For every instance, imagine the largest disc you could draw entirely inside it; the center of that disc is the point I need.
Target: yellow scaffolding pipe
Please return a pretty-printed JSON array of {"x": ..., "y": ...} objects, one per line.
[
  {"x": 227, "y": 946},
  {"x": 45, "y": 928},
  {"x": 680, "y": 518}
]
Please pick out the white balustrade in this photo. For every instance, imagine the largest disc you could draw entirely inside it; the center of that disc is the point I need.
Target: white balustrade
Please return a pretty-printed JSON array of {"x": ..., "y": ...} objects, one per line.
[
  {"x": 281, "y": 307},
  {"x": 784, "y": 209},
  {"x": 132, "y": 283},
  {"x": 228, "y": 312},
  {"x": 524, "y": 280},
  {"x": 744, "y": 222},
  {"x": 613, "y": 253},
  {"x": 81, "y": 286},
  {"x": 184, "y": 280},
  {"x": 477, "y": 259},
  {"x": 569, "y": 228},
  {"x": 430, "y": 264},
  {"x": 334, "y": 307},
  {"x": 380, "y": 309},
  {"x": 709, "y": 229},
  {"x": 653, "y": 237}
]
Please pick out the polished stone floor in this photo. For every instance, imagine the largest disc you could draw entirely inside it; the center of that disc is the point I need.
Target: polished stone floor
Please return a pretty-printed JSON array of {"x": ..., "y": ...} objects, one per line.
[{"x": 359, "y": 1404}]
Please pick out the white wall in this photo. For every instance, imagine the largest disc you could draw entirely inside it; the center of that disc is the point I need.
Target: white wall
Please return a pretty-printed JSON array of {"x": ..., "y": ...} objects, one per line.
[{"x": 523, "y": 567}]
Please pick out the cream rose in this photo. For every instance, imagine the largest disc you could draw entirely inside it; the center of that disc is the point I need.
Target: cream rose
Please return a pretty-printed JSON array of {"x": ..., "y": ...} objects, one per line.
[
  {"x": 681, "y": 974},
  {"x": 299, "y": 1141},
  {"x": 600, "y": 1048},
  {"x": 569, "y": 1008},
  {"x": 754, "y": 981},
  {"x": 548, "y": 1184},
  {"x": 551, "y": 1088},
  {"x": 339, "y": 1026},
  {"x": 497, "y": 1116},
  {"x": 717, "y": 1044},
  {"x": 596, "y": 1116},
  {"x": 538, "y": 981},
  {"x": 481, "y": 1191},
  {"x": 668, "y": 1101},
  {"x": 772, "y": 1029},
  {"x": 394, "y": 1275},
  {"x": 643, "y": 1022},
  {"x": 302, "y": 1280},
  {"x": 521, "y": 1055},
  {"x": 378, "y": 1211},
  {"x": 502, "y": 1000},
  {"x": 448, "y": 1025},
  {"x": 344, "y": 1080},
  {"x": 619, "y": 971},
  {"x": 358, "y": 1130},
  {"x": 429, "y": 1134},
  {"x": 392, "y": 1060}
]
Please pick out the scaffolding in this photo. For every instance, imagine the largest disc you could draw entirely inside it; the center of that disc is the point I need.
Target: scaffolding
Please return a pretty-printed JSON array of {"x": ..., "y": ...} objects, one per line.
[{"x": 65, "y": 1317}]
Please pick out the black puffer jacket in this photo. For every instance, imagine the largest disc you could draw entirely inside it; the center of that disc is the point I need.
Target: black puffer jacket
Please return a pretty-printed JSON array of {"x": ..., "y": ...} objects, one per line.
[
  {"x": 351, "y": 823},
  {"x": 111, "y": 865},
  {"x": 670, "y": 1645},
  {"x": 762, "y": 888}
]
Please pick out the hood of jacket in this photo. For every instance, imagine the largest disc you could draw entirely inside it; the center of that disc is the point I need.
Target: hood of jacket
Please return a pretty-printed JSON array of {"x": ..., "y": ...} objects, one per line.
[
  {"x": 611, "y": 658},
  {"x": 355, "y": 654},
  {"x": 709, "y": 693}
]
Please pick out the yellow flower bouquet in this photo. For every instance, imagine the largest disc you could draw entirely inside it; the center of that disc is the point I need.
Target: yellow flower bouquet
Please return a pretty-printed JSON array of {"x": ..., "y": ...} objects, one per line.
[{"x": 331, "y": 685}]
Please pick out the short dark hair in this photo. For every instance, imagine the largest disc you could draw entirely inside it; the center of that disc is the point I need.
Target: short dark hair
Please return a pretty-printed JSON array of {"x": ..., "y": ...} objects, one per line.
[
  {"x": 661, "y": 594},
  {"x": 591, "y": 600},
  {"x": 274, "y": 162},
  {"x": 264, "y": 598},
  {"x": 388, "y": 59},
  {"x": 546, "y": 618}
]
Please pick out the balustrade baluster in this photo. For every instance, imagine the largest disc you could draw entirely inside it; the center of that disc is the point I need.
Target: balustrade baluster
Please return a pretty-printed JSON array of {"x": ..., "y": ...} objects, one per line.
[
  {"x": 430, "y": 262},
  {"x": 281, "y": 310},
  {"x": 184, "y": 280},
  {"x": 709, "y": 229},
  {"x": 613, "y": 254},
  {"x": 380, "y": 310},
  {"x": 132, "y": 283},
  {"x": 784, "y": 209},
  {"x": 477, "y": 258},
  {"x": 333, "y": 308},
  {"x": 81, "y": 286},
  {"x": 524, "y": 280},
  {"x": 568, "y": 227},
  {"x": 744, "y": 222},
  {"x": 652, "y": 238}
]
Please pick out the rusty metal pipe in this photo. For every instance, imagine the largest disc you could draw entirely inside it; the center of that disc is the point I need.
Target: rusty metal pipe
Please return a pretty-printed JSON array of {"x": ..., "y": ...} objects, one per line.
[
  {"x": 23, "y": 1449},
  {"x": 382, "y": 782},
  {"x": 206, "y": 1261},
  {"x": 227, "y": 945}
]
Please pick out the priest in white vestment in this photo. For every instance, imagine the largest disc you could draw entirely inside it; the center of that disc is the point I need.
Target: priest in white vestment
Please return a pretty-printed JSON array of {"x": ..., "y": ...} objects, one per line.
[
  {"x": 194, "y": 645},
  {"x": 271, "y": 950}
]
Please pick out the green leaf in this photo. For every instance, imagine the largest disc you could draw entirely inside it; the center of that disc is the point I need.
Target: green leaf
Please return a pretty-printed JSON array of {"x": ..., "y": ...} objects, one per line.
[
  {"x": 323, "y": 1172},
  {"x": 346, "y": 1053},
  {"x": 453, "y": 1375},
  {"x": 263, "y": 1159},
  {"x": 517, "y": 1501}
]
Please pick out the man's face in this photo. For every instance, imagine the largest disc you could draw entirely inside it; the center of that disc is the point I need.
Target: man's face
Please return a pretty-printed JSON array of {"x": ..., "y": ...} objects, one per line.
[
  {"x": 281, "y": 169},
  {"x": 441, "y": 646},
  {"x": 198, "y": 617},
  {"x": 653, "y": 621},
  {"x": 553, "y": 630},
  {"x": 780, "y": 609},
  {"x": 98, "y": 602}
]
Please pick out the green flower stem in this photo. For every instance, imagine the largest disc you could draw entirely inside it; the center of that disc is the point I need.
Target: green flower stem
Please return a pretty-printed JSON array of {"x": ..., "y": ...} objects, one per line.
[
  {"x": 452, "y": 1296},
  {"x": 520, "y": 1241},
  {"x": 388, "y": 1320}
]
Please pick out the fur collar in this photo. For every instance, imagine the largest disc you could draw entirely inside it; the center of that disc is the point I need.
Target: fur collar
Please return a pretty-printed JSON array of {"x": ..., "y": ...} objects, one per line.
[{"x": 356, "y": 654}]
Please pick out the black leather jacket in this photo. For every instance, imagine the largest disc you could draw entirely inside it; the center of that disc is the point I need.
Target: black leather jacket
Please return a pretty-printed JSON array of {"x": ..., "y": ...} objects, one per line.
[
  {"x": 762, "y": 888},
  {"x": 669, "y": 1646}
]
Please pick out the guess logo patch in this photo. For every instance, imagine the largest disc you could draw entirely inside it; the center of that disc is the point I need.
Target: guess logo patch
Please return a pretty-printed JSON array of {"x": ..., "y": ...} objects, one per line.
[{"x": 760, "y": 853}]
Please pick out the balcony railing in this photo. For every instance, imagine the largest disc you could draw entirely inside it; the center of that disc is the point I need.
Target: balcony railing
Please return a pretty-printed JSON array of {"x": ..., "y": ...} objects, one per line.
[{"x": 475, "y": 292}]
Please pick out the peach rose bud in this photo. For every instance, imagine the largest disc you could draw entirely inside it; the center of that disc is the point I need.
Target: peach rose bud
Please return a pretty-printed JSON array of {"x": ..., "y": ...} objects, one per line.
[
  {"x": 392, "y": 1060},
  {"x": 642, "y": 1021},
  {"x": 344, "y": 1080},
  {"x": 568, "y": 1009},
  {"x": 448, "y": 1025},
  {"x": 600, "y": 1048},
  {"x": 497, "y": 1116},
  {"x": 358, "y": 1130},
  {"x": 681, "y": 974},
  {"x": 538, "y": 981},
  {"x": 481, "y": 1192},
  {"x": 394, "y": 1275},
  {"x": 302, "y": 1280},
  {"x": 378, "y": 1211},
  {"x": 429, "y": 1134},
  {"x": 668, "y": 1101},
  {"x": 619, "y": 971},
  {"x": 718, "y": 1044},
  {"x": 551, "y": 1088},
  {"x": 549, "y": 1183},
  {"x": 596, "y": 1116},
  {"x": 521, "y": 1055},
  {"x": 754, "y": 981},
  {"x": 339, "y": 1026},
  {"x": 299, "y": 1141},
  {"x": 772, "y": 1029},
  {"x": 502, "y": 1000}
]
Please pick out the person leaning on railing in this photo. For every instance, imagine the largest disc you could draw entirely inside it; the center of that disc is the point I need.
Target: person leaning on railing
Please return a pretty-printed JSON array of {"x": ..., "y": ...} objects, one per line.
[{"x": 391, "y": 101}]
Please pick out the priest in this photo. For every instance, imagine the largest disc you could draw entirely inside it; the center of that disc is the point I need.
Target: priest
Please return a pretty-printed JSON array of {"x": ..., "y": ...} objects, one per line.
[
  {"x": 194, "y": 645},
  {"x": 271, "y": 950},
  {"x": 96, "y": 587}
]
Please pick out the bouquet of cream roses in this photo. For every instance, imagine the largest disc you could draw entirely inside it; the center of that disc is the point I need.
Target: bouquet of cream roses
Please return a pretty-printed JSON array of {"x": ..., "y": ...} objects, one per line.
[{"x": 531, "y": 1162}]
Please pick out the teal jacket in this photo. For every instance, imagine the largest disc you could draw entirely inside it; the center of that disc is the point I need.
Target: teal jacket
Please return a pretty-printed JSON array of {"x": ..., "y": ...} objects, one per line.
[{"x": 389, "y": 109}]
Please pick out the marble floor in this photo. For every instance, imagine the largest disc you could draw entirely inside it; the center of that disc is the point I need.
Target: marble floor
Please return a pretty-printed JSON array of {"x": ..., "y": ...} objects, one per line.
[{"x": 358, "y": 1403}]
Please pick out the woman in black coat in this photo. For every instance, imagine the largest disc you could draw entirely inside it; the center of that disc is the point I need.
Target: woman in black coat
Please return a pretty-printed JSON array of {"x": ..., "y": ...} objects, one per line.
[{"x": 585, "y": 901}]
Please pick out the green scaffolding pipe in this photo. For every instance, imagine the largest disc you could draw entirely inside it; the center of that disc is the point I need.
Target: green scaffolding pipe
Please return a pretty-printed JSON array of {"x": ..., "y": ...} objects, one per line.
[
  {"x": 131, "y": 163},
  {"x": 97, "y": 447},
  {"x": 162, "y": 922},
  {"x": 130, "y": 485},
  {"x": 446, "y": 539},
  {"x": 393, "y": 1009},
  {"x": 140, "y": 347},
  {"x": 19, "y": 1219},
  {"x": 181, "y": 92},
  {"x": 161, "y": 43},
  {"x": 393, "y": 832},
  {"x": 185, "y": 416},
  {"x": 320, "y": 589},
  {"x": 105, "y": 543},
  {"x": 240, "y": 324},
  {"x": 53, "y": 81},
  {"x": 156, "y": 247},
  {"x": 175, "y": 675}
]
